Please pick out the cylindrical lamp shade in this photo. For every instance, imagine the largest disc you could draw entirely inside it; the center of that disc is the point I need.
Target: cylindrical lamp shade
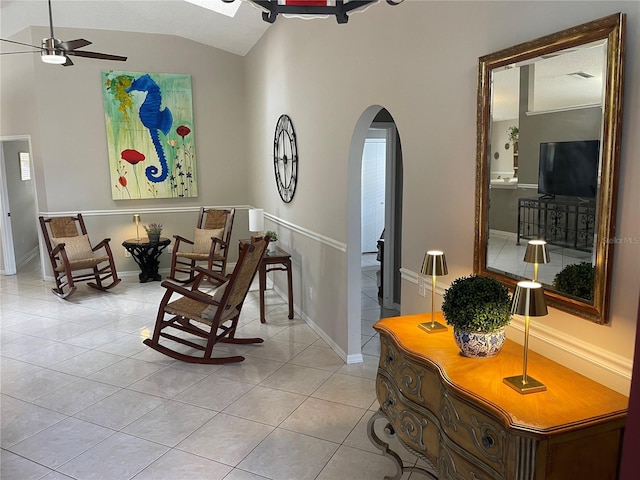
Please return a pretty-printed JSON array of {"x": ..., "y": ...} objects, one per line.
[
  {"x": 537, "y": 252},
  {"x": 528, "y": 300},
  {"x": 256, "y": 220},
  {"x": 136, "y": 219},
  {"x": 434, "y": 263}
]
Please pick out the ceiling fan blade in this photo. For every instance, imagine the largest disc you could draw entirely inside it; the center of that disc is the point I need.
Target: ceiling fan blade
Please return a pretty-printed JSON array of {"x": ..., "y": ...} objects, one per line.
[
  {"x": 68, "y": 63},
  {"x": 24, "y": 51},
  {"x": 100, "y": 56},
  {"x": 20, "y": 43},
  {"x": 73, "y": 44}
]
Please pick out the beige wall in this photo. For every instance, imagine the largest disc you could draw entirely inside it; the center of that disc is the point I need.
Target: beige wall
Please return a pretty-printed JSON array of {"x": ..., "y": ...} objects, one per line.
[
  {"x": 69, "y": 136},
  {"x": 419, "y": 61}
]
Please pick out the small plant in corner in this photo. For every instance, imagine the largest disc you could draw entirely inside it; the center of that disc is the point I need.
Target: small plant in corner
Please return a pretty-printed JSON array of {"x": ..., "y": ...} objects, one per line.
[
  {"x": 513, "y": 134},
  {"x": 153, "y": 229},
  {"x": 476, "y": 304},
  {"x": 273, "y": 236}
]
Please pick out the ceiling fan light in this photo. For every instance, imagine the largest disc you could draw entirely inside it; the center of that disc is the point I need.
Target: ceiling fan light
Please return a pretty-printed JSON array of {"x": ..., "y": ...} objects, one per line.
[
  {"x": 49, "y": 52},
  {"x": 53, "y": 58}
]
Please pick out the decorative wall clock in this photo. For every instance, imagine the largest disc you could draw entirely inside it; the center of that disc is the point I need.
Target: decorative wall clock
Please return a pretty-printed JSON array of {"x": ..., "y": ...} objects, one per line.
[{"x": 285, "y": 158}]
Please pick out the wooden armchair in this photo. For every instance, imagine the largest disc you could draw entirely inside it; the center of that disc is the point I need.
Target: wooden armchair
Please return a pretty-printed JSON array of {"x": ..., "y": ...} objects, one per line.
[
  {"x": 212, "y": 318},
  {"x": 210, "y": 244},
  {"x": 72, "y": 257}
]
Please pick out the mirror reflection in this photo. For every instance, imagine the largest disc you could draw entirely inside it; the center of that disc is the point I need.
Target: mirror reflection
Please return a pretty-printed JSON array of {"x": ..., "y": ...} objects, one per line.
[
  {"x": 548, "y": 138},
  {"x": 545, "y": 135}
]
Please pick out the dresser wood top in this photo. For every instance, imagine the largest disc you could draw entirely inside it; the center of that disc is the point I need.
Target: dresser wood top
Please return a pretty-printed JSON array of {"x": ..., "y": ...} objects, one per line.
[{"x": 571, "y": 400}]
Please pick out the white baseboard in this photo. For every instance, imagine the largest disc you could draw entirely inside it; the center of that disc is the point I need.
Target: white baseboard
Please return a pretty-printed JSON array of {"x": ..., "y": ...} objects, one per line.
[
  {"x": 334, "y": 346},
  {"x": 28, "y": 257}
]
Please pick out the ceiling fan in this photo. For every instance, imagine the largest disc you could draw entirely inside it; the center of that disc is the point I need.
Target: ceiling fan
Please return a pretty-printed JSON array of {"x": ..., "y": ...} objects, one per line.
[{"x": 57, "y": 52}]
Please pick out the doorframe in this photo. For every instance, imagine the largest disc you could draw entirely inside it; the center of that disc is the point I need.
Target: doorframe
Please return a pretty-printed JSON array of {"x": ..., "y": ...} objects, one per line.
[
  {"x": 8, "y": 249},
  {"x": 354, "y": 233},
  {"x": 390, "y": 205}
]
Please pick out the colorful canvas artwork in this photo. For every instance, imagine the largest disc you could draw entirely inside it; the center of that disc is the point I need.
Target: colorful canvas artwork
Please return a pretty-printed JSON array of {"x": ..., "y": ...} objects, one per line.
[{"x": 149, "y": 120}]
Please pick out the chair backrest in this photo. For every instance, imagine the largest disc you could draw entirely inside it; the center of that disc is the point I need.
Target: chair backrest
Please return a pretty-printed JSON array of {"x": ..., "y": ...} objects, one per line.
[
  {"x": 217, "y": 218},
  {"x": 244, "y": 272},
  {"x": 61, "y": 227}
]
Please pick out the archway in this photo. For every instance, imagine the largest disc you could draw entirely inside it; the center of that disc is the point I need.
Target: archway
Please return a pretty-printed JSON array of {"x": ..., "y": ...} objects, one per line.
[{"x": 393, "y": 219}]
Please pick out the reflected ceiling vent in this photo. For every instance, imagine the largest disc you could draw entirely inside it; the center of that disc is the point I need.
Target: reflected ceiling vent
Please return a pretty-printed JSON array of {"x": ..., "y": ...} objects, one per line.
[{"x": 580, "y": 75}]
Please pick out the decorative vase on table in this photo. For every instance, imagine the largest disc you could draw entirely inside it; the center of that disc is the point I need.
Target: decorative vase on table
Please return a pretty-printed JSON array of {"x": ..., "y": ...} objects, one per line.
[
  {"x": 478, "y": 308},
  {"x": 480, "y": 344}
]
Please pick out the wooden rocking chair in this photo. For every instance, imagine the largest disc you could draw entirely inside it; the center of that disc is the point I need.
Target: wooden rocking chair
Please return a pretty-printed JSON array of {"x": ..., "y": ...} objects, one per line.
[
  {"x": 72, "y": 257},
  {"x": 210, "y": 244},
  {"x": 213, "y": 318}
]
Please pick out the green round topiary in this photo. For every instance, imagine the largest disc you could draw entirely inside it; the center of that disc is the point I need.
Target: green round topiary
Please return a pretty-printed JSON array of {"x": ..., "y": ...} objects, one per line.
[
  {"x": 576, "y": 279},
  {"x": 476, "y": 304}
]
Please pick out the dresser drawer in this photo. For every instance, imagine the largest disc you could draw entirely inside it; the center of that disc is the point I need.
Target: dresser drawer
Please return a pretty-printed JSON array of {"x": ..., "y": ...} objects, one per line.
[
  {"x": 417, "y": 383},
  {"x": 454, "y": 464},
  {"x": 415, "y": 426},
  {"x": 477, "y": 433}
]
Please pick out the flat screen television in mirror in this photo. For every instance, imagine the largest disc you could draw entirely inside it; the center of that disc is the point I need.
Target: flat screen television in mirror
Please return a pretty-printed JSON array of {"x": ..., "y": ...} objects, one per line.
[{"x": 569, "y": 169}]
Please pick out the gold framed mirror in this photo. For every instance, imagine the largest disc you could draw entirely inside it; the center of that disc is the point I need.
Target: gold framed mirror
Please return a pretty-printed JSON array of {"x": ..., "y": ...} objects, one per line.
[{"x": 551, "y": 109}]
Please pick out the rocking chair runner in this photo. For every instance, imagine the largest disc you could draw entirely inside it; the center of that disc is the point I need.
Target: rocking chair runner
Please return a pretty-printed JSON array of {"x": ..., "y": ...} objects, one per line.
[
  {"x": 213, "y": 318},
  {"x": 210, "y": 244},
  {"x": 72, "y": 257}
]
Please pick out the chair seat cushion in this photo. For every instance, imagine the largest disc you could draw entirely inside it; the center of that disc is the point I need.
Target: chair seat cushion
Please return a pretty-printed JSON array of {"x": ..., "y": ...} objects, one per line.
[
  {"x": 193, "y": 309},
  {"x": 202, "y": 241},
  {"x": 78, "y": 248},
  {"x": 83, "y": 264},
  {"x": 198, "y": 256}
]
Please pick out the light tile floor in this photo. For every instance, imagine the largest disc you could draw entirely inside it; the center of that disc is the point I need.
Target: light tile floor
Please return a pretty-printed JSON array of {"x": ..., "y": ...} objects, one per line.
[
  {"x": 503, "y": 254},
  {"x": 82, "y": 398}
]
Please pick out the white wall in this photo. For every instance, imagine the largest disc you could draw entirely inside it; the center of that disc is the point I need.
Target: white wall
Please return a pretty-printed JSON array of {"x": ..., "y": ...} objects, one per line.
[{"x": 419, "y": 61}]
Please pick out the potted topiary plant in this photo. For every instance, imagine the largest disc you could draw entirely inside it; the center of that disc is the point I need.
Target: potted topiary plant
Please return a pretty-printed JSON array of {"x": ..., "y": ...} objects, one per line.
[
  {"x": 478, "y": 308},
  {"x": 576, "y": 280},
  {"x": 153, "y": 232}
]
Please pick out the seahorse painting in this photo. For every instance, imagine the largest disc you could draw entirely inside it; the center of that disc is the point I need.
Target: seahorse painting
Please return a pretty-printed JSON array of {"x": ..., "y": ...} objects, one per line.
[
  {"x": 150, "y": 135},
  {"x": 154, "y": 119}
]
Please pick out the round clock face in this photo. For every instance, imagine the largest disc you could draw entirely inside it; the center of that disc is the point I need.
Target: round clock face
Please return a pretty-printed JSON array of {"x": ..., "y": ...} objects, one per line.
[{"x": 285, "y": 158}]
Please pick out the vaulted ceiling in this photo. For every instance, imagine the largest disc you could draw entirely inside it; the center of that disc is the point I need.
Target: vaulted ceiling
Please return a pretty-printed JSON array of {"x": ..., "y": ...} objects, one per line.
[{"x": 170, "y": 17}]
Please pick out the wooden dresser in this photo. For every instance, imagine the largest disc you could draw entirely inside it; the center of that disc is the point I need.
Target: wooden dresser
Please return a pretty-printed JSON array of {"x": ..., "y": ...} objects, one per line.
[{"x": 458, "y": 415}]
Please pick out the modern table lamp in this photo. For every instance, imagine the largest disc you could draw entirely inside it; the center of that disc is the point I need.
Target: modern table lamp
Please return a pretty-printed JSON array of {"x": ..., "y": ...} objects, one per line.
[
  {"x": 528, "y": 300},
  {"x": 136, "y": 220},
  {"x": 435, "y": 265},
  {"x": 256, "y": 220},
  {"x": 536, "y": 253}
]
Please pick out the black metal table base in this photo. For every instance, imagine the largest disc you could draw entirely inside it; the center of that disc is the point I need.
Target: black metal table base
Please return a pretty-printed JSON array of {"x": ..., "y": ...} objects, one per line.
[{"x": 145, "y": 254}]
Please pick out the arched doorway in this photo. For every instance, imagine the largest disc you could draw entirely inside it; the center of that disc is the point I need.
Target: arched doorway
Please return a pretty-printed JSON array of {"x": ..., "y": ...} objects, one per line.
[{"x": 378, "y": 119}]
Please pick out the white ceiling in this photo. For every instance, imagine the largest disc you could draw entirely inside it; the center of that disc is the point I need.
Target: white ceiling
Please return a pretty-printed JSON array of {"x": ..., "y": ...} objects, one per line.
[
  {"x": 170, "y": 17},
  {"x": 554, "y": 86}
]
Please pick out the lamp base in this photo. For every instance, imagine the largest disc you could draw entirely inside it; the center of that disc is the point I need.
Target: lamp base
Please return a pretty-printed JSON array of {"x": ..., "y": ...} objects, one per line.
[
  {"x": 434, "y": 327},
  {"x": 532, "y": 385}
]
